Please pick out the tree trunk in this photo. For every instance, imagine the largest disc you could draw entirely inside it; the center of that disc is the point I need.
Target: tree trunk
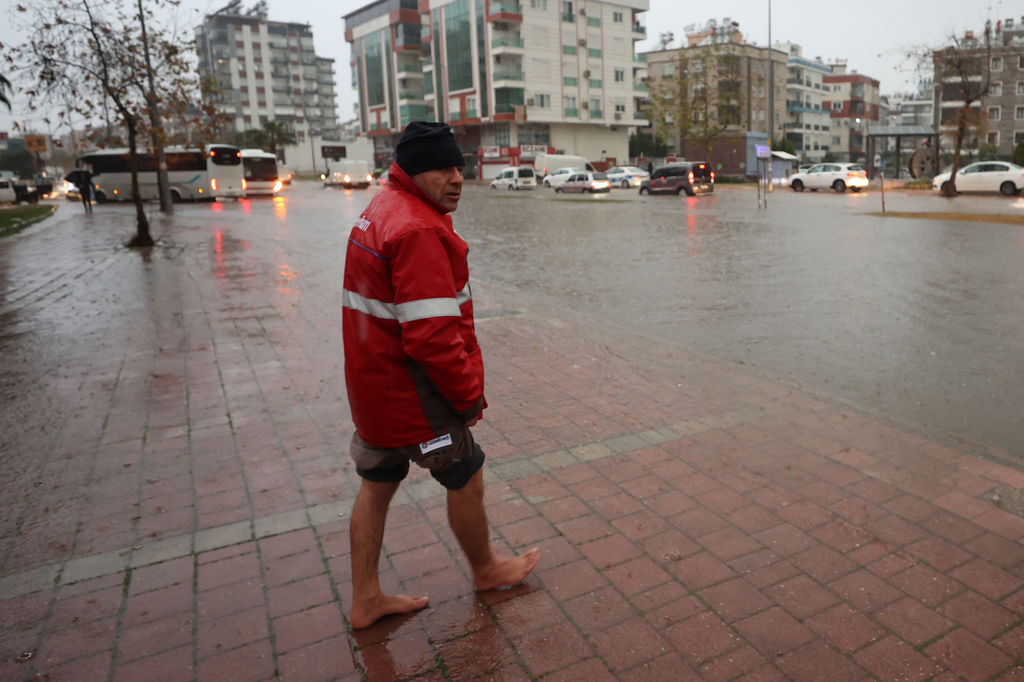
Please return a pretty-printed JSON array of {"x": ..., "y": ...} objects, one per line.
[
  {"x": 142, "y": 236},
  {"x": 961, "y": 128}
]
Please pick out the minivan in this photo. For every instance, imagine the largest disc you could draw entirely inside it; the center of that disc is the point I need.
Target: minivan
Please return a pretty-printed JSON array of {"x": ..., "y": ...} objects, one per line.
[
  {"x": 515, "y": 178},
  {"x": 692, "y": 177}
]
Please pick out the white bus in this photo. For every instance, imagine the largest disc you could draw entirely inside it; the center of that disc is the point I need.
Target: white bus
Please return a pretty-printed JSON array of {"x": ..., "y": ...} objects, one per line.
[
  {"x": 192, "y": 174},
  {"x": 261, "y": 175}
]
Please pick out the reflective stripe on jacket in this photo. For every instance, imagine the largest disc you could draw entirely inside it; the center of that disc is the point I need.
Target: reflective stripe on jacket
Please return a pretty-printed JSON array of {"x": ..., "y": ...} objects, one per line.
[{"x": 412, "y": 363}]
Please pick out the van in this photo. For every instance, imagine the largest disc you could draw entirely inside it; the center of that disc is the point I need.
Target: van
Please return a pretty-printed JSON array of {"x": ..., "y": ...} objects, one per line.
[
  {"x": 515, "y": 178},
  {"x": 350, "y": 173},
  {"x": 692, "y": 177},
  {"x": 545, "y": 163}
]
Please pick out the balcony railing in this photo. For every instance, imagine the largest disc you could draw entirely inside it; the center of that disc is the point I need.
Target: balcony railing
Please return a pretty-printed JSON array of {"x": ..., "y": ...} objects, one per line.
[
  {"x": 508, "y": 75},
  {"x": 507, "y": 42},
  {"x": 506, "y": 7},
  {"x": 572, "y": 113}
]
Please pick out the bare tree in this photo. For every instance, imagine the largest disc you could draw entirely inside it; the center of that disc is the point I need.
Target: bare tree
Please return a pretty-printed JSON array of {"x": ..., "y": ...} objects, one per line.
[
  {"x": 963, "y": 73},
  {"x": 94, "y": 56},
  {"x": 669, "y": 105}
]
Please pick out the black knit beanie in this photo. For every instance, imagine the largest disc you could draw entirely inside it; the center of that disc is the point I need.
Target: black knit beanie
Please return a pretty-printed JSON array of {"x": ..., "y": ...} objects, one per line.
[{"x": 426, "y": 145}]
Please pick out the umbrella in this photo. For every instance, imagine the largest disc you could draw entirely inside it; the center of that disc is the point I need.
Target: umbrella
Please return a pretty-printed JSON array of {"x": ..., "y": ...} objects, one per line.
[{"x": 79, "y": 176}]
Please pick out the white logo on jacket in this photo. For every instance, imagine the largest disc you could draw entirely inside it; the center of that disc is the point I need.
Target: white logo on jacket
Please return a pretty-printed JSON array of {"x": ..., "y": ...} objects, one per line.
[{"x": 363, "y": 224}]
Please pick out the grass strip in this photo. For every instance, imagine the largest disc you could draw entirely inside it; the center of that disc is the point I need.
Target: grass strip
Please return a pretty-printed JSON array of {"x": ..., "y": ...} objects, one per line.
[{"x": 14, "y": 220}]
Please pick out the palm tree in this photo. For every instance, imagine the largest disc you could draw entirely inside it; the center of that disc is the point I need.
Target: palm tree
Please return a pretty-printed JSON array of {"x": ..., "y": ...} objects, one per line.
[
  {"x": 277, "y": 135},
  {"x": 5, "y": 87}
]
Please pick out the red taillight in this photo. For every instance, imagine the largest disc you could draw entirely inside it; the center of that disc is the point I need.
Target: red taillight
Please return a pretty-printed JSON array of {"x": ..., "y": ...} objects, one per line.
[
  {"x": 245, "y": 185},
  {"x": 690, "y": 177},
  {"x": 213, "y": 181}
]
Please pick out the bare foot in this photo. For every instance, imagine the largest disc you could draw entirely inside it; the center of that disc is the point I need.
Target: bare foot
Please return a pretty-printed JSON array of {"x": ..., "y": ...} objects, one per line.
[
  {"x": 366, "y": 613},
  {"x": 504, "y": 572}
]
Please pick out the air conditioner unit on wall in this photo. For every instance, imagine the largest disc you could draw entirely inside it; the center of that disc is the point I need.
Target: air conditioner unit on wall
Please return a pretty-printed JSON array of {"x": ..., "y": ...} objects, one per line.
[
  {"x": 583, "y": 11},
  {"x": 586, "y": 73},
  {"x": 618, "y": 115},
  {"x": 585, "y": 105},
  {"x": 529, "y": 101},
  {"x": 582, "y": 42}
]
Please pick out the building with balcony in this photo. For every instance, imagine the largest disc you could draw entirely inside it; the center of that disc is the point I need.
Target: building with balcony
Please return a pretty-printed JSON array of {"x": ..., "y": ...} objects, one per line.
[
  {"x": 808, "y": 120},
  {"x": 716, "y": 87},
  {"x": 853, "y": 101},
  {"x": 998, "y": 112},
  {"x": 268, "y": 71},
  {"x": 513, "y": 77}
]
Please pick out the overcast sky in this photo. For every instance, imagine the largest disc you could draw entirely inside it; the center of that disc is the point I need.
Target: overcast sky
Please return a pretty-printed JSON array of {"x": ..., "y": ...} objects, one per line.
[{"x": 873, "y": 36}]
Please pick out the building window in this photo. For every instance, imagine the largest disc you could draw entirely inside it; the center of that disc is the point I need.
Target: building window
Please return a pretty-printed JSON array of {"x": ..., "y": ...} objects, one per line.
[
  {"x": 539, "y": 4},
  {"x": 1020, "y": 87},
  {"x": 568, "y": 49},
  {"x": 459, "y": 49},
  {"x": 1018, "y": 113},
  {"x": 595, "y": 53},
  {"x": 620, "y": 108},
  {"x": 542, "y": 100},
  {"x": 617, "y": 17},
  {"x": 620, "y": 75},
  {"x": 996, "y": 89},
  {"x": 993, "y": 113},
  {"x": 1018, "y": 137},
  {"x": 570, "y": 102},
  {"x": 997, "y": 63},
  {"x": 595, "y": 104}
]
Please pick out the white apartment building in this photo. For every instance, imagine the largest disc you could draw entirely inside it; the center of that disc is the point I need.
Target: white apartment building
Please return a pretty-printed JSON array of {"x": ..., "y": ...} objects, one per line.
[
  {"x": 513, "y": 77},
  {"x": 808, "y": 119},
  {"x": 268, "y": 71}
]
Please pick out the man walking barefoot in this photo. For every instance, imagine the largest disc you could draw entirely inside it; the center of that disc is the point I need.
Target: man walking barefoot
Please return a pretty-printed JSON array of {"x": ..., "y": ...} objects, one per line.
[{"x": 413, "y": 369}]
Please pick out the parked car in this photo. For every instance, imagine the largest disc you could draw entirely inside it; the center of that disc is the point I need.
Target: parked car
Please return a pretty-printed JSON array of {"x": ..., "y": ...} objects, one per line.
[
  {"x": 838, "y": 176},
  {"x": 284, "y": 174},
  {"x": 585, "y": 182},
  {"x": 558, "y": 176},
  {"x": 353, "y": 173},
  {"x": 985, "y": 176},
  {"x": 7, "y": 195},
  {"x": 515, "y": 178},
  {"x": 626, "y": 176},
  {"x": 692, "y": 177}
]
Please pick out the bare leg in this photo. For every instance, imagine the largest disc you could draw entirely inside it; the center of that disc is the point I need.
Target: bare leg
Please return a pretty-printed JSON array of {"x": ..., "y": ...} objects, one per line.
[
  {"x": 366, "y": 534},
  {"x": 469, "y": 522}
]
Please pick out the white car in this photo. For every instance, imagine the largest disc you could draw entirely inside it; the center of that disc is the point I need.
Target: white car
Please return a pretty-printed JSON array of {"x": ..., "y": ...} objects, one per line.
[
  {"x": 626, "y": 176},
  {"x": 837, "y": 176},
  {"x": 557, "y": 178},
  {"x": 585, "y": 182},
  {"x": 7, "y": 195},
  {"x": 985, "y": 176},
  {"x": 515, "y": 178}
]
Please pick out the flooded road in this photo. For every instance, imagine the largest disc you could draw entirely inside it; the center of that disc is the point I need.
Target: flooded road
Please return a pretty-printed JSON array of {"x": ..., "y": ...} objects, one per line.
[
  {"x": 918, "y": 320},
  {"x": 921, "y": 320}
]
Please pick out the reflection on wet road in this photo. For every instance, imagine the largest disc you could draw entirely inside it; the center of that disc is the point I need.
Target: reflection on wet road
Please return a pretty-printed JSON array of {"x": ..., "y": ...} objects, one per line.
[{"x": 917, "y": 319}]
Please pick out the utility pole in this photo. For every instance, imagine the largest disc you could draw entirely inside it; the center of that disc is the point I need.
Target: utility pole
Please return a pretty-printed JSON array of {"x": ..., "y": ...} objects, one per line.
[{"x": 154, "y": 123}]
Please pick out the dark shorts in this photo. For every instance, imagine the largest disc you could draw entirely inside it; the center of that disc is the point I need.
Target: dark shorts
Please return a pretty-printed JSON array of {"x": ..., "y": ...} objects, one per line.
[{"x": 452, "y": 458}]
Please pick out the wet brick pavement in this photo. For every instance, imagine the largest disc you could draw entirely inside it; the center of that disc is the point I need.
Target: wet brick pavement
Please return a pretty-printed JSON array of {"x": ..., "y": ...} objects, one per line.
[{"x": 175, "y": 433}]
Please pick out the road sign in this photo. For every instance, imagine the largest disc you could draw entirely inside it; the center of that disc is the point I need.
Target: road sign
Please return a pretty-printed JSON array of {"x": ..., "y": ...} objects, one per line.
[
  {"x": 331, "y": 151},
  {"x": 35, "y": 143}
]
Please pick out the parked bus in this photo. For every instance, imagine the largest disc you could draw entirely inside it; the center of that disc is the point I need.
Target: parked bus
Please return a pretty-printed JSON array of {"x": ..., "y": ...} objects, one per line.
[
  {"x": 261, "y": 175},
  {"x": 192, "y": 174}
]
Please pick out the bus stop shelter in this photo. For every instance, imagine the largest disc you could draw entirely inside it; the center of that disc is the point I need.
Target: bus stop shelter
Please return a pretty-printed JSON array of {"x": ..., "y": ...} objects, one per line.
[{"x": 899, "y": 132}]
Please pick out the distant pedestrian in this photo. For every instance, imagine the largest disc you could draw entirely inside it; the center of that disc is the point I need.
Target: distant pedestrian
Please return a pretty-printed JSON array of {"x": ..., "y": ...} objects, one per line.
[
  {"x": 650, "y": 167},
  {"x": 84, "y": 185},
  {"x": 413, "y": 368}
]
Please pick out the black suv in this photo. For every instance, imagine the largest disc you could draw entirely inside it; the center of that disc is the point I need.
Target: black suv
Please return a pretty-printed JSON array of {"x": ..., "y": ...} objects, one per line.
[{"x": 692, "y": 177}]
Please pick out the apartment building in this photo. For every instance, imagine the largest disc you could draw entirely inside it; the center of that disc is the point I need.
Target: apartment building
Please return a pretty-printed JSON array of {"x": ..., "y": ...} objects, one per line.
[
  {"x": 1001, "y": 109},
  {"x": 268, "y": 71},
  {"x": 853, "y": 101},
  {"x": 723, "y": 84},
  {"x": 513, "y": 78},
  {"x": 808, "y": 122}
]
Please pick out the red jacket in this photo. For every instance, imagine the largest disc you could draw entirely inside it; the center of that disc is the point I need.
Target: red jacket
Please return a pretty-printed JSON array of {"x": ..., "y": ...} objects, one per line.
[{"x": 412, "y": 364}]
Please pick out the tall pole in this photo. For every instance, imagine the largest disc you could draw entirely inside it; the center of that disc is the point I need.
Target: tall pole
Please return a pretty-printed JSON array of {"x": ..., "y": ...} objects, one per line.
[
  {"x": 154, "y": 122},
  {"x": 771, "y": 80}
]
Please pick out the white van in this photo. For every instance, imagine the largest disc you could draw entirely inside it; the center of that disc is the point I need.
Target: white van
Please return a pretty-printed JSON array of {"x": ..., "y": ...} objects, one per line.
[
  {"x": 351, "y": 173},
  {"x": 515, "y": 178},
  {"x": 544, "y": 163}
]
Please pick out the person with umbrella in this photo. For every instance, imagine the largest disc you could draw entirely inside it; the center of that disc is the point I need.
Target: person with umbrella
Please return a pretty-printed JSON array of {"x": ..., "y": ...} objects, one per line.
[{"x": 82, "y": 179}]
